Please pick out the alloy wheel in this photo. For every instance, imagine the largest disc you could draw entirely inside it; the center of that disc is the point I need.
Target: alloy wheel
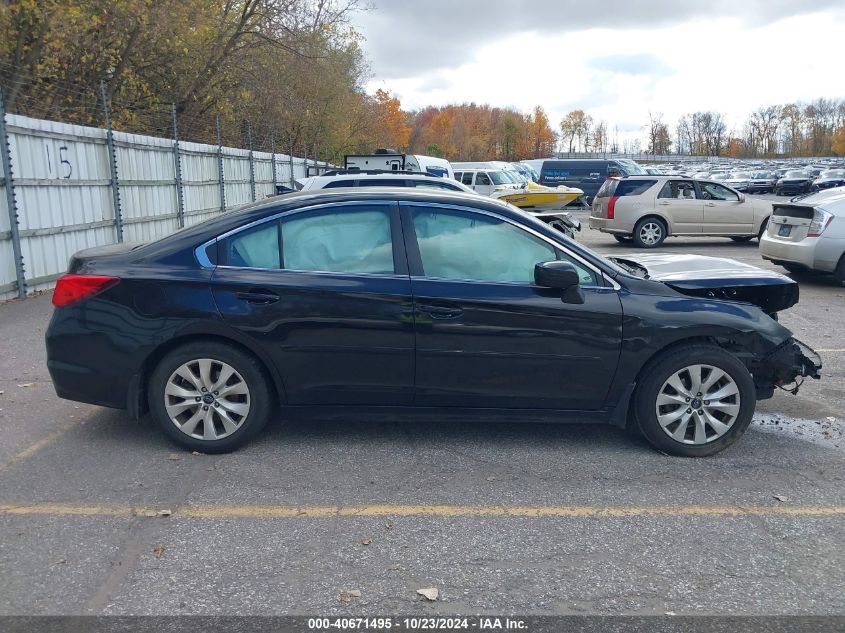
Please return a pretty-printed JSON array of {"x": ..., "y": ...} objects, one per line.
[
  {"x": 651, "y": 233},
  {"x": 207, "y": 399},
  {"x": 698, "y": 404}
]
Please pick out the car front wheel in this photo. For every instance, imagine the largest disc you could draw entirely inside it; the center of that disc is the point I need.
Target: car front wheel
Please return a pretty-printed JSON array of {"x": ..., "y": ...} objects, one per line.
[
  {"x": 649, "y": 232},
  {"x": 209, "y": 397},
  {"x": 695, "y": 401}
]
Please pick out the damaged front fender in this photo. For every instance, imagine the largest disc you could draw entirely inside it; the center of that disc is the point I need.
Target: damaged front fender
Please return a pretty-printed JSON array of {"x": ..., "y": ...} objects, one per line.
[{"x": 782, "y": 367}]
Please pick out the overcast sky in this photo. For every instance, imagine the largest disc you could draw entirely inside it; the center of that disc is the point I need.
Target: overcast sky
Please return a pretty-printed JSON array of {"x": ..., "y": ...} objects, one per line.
[{"x": 615, "y": 59}]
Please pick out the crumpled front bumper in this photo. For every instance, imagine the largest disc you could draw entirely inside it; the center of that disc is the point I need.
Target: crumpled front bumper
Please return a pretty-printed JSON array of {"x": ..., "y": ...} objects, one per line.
[{"x": 783, "y": 366}]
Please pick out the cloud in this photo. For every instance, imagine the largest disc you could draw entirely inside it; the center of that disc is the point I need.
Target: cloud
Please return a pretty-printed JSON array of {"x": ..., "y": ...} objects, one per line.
[
  {"x": 643, "y": 64},
  {"x": 405, "y": 38}
]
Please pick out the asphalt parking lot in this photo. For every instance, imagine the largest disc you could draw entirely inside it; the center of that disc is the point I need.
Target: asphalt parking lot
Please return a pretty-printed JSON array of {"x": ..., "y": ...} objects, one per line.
[{"x": 100, "y": 515}]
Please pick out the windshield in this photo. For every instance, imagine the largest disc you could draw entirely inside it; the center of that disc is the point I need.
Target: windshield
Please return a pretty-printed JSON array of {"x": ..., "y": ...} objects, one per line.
[
  {"x": 833, "y": 173},
  {"x": 500, "y": 178},
  {"x": 740, "y": 175},
  {"x": 762, "y": 174},
  {"x": 795, "y": 174},
  {"x": 631, "y": 167}
]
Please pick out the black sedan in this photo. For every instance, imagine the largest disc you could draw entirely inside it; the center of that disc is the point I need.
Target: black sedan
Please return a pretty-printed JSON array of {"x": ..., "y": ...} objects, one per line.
[
  {"x": 409, "y": 303},
  {"x": 794, "y": 182},
  {"x": 829, "y": 179}
]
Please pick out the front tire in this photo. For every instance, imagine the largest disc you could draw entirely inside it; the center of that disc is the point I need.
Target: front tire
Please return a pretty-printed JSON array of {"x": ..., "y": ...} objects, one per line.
[
  {"x": 694, "y": 401},
  {"x": 649, "y": 232},
  {"x": 210, "y": 397}
]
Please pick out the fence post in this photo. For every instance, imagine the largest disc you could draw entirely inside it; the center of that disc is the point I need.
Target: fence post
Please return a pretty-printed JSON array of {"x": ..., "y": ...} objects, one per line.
[
  {"x": 290, "y": 158},
  {"x": 273, "y": 159},
  {"x": 114, "y": 182},
  {"x": 177, "y": 163},
  {"x": 251, "y": 163},
  {"x": 220, "y": 167},
  {"x": 6, "y": 157}
]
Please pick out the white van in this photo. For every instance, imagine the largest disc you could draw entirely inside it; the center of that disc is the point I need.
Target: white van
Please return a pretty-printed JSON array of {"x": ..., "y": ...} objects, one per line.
[
  {"x": 485, "y": 181},
  {"x": 391, "y": 161}
]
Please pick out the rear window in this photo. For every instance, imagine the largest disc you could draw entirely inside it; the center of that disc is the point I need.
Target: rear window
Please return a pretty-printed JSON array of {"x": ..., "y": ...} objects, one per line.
[
  {"x": 616, "y": 187},
  {"x": 633, "y": 187},
  {"x": 339, "y": 183}
]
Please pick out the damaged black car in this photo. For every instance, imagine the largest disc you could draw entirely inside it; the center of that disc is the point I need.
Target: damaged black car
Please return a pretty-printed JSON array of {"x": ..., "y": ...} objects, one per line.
[{"x": 412, "y": 304}]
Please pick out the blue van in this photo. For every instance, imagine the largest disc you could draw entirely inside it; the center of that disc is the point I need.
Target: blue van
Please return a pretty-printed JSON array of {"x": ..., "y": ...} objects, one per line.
[{"x": 586, "y": 174}]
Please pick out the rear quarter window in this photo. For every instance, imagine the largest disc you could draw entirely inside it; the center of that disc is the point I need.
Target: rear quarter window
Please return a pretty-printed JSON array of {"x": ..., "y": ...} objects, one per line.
[{"x": 633, "y": 187}]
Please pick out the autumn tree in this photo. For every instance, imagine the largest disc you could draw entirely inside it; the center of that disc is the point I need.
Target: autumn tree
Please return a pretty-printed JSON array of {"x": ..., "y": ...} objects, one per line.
[
  {"x": 838, "y": 144},
  {"x": 575, "y": 125},
  {"x": 659, "y": 140}
]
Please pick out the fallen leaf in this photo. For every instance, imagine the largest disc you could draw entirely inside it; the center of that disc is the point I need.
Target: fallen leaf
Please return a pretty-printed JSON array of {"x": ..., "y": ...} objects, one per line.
[
  {"x": 197, "y": 453},
  {"x": 158, "y": 552},
  {"x": 60, "y": 562},
  {"x": 347, "y": 595},
  {"x": 366, "y": 541},
  {"x": 164, "y": 513},
  {"x": 27, "y": 384},
  {"x": 780, "y": 497},
  {"x": 429, "y": 593},
  {"x": 174, "y": 457},
  {"x": 388, "y": 525},
  {"x": 491, "y": 479},
  {"x": 149, "y": 513}
]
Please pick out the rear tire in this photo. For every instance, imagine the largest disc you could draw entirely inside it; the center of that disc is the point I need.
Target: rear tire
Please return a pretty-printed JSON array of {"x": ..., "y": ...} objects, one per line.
[
  {"x": 649, "y": 232},
  {"x": 839, "y": 273},
  {"x": 210, "y": 397},
  {"x": 680, "y": 430}
]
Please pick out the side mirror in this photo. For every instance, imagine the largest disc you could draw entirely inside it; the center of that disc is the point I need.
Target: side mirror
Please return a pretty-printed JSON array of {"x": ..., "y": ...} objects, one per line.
[{"x": 560, "y": 275}]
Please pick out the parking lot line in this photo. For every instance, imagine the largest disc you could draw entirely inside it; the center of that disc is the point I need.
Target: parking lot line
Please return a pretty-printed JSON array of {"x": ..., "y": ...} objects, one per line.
[
  {"x": 46, "y": 441},
  {"x": 318, "y": 512}
]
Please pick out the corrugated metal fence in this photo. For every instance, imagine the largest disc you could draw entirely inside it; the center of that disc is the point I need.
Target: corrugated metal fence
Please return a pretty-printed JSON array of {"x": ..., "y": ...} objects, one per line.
[{"x": 57, "y": 194}]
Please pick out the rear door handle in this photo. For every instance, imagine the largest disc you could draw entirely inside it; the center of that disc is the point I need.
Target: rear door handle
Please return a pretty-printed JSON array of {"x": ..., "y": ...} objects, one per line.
[
  {"x": 258, "y": 296},
  {"x": 441, "y": 312},
  {"x": 664, "y": 203}
]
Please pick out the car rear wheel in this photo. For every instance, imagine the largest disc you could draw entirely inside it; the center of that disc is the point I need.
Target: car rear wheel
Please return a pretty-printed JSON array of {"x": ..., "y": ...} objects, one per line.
[
  {"x": 839, "y": 273},
  {"x": 209, "y": 397},
  {"x": 649, "y": 232},
  {"x": 695, "y": 401}
]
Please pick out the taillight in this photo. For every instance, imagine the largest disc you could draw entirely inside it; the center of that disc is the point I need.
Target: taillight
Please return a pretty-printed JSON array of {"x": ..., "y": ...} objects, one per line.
[
  {"x": 72, "y": 290},
  {"x": 611, "y": 207},
  {"x": 821, "y": 220}
]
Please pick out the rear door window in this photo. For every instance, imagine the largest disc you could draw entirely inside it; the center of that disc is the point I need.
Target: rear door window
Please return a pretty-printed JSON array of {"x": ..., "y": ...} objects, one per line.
[
  {"x": 466, "y": 178},
  {"x": 348, "y": 240},
  {"x": 678, "y": 189},
  {"x": 481, "y": 178}
]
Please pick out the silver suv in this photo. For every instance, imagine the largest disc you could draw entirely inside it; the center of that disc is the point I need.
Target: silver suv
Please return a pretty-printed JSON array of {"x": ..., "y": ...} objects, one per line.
[{"x": 648, "y": 209}]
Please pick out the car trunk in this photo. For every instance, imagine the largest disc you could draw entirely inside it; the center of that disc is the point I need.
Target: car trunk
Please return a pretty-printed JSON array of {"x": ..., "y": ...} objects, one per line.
[
  {"x": 720, "y": 278},
  {"x": 790, "y": 223},
  {"x": 81, "y": 261}
]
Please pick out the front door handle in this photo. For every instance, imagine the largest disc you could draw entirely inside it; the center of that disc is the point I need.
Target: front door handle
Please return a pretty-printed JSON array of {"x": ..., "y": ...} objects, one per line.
[
  {"x": 441, "y": 312},
  {"x": 262, "y": 297},
  {"x": 709, "y": 204}
]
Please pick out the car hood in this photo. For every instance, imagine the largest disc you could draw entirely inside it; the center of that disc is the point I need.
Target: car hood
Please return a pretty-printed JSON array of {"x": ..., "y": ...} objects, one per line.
[{"x": 720, "y": 278}]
